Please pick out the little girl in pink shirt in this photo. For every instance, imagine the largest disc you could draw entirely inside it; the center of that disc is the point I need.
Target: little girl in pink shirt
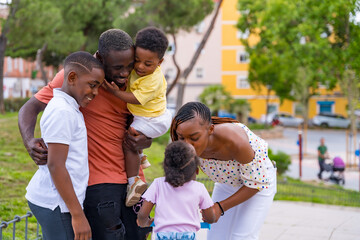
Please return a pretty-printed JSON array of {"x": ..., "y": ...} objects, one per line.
[{"x": 178, "y": 196}]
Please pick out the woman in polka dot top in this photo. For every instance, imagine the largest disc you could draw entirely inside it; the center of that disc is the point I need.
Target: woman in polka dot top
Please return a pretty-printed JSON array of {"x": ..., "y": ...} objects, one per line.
[{"x": 237, "y": 161}]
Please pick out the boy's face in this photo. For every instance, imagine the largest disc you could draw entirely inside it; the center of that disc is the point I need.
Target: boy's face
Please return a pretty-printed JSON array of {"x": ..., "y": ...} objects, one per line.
[
  {"x": 146, "y": 61},
  {"x": 118, "y": 66},
  {"x": 85, "y": 86}
]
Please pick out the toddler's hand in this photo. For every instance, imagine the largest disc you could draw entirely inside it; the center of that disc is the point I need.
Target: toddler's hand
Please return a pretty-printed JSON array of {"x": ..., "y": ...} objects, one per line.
[{"x": 111, "y": 87}]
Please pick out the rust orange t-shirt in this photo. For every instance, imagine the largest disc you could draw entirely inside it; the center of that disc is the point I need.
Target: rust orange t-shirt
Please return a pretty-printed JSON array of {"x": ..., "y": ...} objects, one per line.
[{"x": 106, "y": 119}]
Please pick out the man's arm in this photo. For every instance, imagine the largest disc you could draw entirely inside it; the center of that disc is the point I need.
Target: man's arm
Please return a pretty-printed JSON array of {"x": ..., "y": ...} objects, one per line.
[{"x": 27, "y": 122}]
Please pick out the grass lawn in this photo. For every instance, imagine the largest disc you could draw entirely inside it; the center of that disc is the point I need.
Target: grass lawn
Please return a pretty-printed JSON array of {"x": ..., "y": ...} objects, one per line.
[{"x": 17, "y": 168}]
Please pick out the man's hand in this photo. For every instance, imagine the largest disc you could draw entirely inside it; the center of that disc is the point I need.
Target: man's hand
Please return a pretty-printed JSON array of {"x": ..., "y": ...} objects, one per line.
[
  {"x": 136, "y": 141},
  {"x": 37, "y": 150}
]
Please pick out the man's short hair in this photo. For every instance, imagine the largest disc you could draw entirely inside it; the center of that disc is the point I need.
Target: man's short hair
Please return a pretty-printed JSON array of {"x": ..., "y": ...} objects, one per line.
[
  {"x": 114, "y": 40},
  {"x": 81, "y": 62},
  {"x": 152, "y": 39}
]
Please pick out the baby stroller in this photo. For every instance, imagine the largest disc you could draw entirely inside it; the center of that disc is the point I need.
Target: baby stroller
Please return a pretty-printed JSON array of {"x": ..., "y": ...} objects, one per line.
[{"x": 337, "y": 168}]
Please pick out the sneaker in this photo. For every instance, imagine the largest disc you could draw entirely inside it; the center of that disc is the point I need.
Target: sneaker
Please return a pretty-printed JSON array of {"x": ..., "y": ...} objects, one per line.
[
  {"x": 144, "y": 162},
  {"x": 134, "y": 192}
]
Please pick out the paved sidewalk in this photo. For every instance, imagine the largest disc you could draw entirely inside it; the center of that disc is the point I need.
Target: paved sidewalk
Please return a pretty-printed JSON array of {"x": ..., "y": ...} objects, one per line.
[{"x": 307, "y": 221}]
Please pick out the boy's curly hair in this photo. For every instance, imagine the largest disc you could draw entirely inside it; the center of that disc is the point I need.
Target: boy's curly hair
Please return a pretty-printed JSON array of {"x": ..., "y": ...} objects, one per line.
[
  {"x": 180, "y": 163},
  {"x": 152, "y": 39}
]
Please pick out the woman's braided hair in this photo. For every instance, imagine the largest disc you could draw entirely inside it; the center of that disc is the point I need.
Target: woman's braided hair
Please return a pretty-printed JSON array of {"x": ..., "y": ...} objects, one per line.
[{"x": 189, "y": 111}]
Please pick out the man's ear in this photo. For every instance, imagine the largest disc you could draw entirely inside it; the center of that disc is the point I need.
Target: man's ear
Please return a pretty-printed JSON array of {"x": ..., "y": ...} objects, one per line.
[
  {"x": 98, "y": 56},
  {"x": 71, "y": 78},
  {"x": 211, "y": 129}
]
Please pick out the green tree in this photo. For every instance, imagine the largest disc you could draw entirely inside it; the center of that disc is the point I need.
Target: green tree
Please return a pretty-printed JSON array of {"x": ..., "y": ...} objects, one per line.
[
  {"x": 61, "y": 27},
  {"x": 5, "y": 27},
  {"x": 241, "y": 108},
  {"x": 293, "y": 52},
  {"x": 216, "y": 98}
]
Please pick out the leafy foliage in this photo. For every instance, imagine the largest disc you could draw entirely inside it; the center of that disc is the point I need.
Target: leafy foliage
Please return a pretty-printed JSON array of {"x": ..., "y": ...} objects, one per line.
[
  {"x": 65, "y": 26},
  {"x": 169, "y": 15},
  {"x": 216, "y": 98},
  {"x": 282, "y": 160}
]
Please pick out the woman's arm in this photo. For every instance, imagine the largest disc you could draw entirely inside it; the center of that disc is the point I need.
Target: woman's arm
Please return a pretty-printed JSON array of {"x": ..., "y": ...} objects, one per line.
[
  {"x": 61, "y": 178},
  {"x": 143, "y": 219},
  {"x": 243, "y": 194}
]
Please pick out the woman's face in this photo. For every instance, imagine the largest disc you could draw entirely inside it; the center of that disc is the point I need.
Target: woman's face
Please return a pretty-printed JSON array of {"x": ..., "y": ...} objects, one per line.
[{"x": 195, "y": 132}]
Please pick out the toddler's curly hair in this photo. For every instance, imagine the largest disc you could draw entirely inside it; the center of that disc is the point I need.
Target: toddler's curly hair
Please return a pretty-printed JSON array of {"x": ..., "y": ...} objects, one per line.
[{"x": 180, "y": 163}]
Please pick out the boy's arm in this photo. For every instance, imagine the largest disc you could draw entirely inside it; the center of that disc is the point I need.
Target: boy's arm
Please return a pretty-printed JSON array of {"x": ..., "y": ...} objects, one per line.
[
  {"x": 61, "y": 178},
  {"x": 26, "y": 121},
  {"x": 123, "y": 95},
  {"x": 143, "y": 219}
]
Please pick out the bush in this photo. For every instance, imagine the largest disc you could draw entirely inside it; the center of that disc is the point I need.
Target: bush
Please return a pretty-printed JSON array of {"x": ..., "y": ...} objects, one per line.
[
  {"x": 282, "y": 160},
  {"x": 14, "y": 104},
  {"x": 163, "y": 140}
]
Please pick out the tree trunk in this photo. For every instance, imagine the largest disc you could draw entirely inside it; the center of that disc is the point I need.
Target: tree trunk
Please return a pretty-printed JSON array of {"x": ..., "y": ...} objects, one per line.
[
  {"x": 267, "y": 107},
  {"x": 183, "y": 79},
  {"x": 3, "y": 42},
  {"x": 39, "y": 62},
  {"x": 178, "y": 70}
]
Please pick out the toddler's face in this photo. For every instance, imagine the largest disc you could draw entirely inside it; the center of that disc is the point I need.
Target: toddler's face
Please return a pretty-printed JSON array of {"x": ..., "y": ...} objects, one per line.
[{"x": 146, "y": 61}]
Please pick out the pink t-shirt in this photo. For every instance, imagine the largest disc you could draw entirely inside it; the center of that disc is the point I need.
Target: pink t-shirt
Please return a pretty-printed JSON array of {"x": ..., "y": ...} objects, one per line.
[{"x": 177, "y": 209}]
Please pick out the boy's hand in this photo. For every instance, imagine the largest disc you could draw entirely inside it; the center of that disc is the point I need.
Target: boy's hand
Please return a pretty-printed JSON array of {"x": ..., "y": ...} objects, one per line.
[{"x": 81, "y": 227}]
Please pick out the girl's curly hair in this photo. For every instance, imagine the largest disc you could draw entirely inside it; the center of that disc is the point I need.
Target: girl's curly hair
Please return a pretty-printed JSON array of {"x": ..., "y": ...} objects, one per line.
[{"x": 180, "y": 163}]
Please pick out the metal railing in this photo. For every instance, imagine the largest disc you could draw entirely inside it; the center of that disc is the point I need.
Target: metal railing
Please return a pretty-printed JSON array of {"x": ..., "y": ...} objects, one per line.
[{"x": 17, "y": 219}]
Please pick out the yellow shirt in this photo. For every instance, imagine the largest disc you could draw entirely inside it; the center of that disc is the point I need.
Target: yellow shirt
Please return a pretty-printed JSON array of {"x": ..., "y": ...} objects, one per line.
[{"x": 150, "y": 91}]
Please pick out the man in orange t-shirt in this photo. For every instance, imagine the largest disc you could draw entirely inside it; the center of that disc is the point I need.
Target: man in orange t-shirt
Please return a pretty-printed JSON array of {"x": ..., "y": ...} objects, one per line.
[{"x": 106, "y": 118}]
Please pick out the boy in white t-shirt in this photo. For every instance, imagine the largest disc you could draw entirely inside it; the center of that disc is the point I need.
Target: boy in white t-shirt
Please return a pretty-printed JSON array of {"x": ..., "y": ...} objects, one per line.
[
  {"x": 56, "y": 192},
  {"x": 146, "y": 98}
]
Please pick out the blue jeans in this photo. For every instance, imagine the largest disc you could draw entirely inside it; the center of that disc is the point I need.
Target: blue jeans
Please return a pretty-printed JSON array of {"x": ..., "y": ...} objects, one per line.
[
  {"x": 109, "y": 218},
  {"x": 54, "y": 224},
  {"x": 175, "y": 236}
]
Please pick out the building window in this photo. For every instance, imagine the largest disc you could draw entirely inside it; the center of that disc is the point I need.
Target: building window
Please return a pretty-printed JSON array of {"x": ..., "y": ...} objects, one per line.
[
  {"x": 21, "y": 65},
  {"x": 171, "y": 49},
  {"x": 199, "y": 73},
  {"x": 243, "y": 35},
  {"x": 199, "y": 28},
  {"x": 272, "y": 108},
  {"x": 9, "y": 64},
  {"x": 242, "y": 57},
  {"x": 325, "y": 106},
  {"x": 169, "y": 74},
  {"x": 242, "y": 82}
]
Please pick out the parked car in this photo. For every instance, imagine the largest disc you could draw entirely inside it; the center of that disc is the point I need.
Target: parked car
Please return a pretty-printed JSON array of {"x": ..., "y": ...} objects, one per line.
[
  {"x": 282, "y": 119},
  {"x": 330, "y": 120},
  {"x": 287, "y": 120}
]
